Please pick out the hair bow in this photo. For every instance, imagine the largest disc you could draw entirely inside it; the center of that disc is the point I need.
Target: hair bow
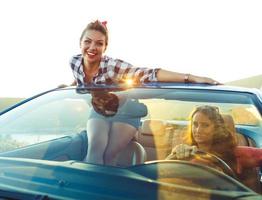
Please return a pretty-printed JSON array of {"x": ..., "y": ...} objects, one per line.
[{"x": 104, "y": 23}]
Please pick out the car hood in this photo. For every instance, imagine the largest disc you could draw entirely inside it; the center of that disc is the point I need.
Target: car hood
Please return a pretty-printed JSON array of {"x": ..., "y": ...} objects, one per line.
[{"x": 77, "y": 180}]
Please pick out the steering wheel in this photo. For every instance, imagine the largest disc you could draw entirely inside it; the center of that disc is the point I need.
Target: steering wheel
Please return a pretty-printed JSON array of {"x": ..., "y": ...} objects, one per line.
[{"x": 203, "y": 157}]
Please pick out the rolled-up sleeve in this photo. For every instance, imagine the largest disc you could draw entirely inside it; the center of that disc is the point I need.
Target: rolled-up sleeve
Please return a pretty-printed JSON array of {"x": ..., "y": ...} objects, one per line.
[
  {"x": 150, "y": 75},
  {"x": 121, "y": 71}
]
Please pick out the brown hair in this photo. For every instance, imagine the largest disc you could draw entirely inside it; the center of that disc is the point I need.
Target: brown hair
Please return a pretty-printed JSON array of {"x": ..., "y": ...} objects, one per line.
[
  {"x": 223, "y": 142},
  {"x": 107, "y": 102},
  {"x": 97, "y": 26}
]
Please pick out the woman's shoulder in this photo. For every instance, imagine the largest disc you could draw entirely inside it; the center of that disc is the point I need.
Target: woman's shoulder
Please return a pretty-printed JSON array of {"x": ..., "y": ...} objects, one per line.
[{"x": 76, "y": 60}]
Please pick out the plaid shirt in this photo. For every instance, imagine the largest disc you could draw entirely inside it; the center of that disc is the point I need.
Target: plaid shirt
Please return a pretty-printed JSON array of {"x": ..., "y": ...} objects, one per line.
[{"x": 112, "y": 71}]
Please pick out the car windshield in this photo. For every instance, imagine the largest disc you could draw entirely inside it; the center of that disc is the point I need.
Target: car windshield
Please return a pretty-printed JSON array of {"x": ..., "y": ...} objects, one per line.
[
  {"x": 66, "y": 112},
  {"x": 161, "y": 116}
]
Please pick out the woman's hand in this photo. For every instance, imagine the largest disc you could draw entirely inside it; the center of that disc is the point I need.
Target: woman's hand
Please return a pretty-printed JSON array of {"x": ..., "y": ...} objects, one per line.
[
  {"x": 182, "y": 151},
  {"x": 200, "y": 79}
]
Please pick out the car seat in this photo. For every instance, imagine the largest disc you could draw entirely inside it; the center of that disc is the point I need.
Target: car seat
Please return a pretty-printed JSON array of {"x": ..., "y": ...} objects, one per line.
[
  {"x": 133, "y": 154},
  {"x": 240, "y": 139},
  {"x": 156, "y": 137}
]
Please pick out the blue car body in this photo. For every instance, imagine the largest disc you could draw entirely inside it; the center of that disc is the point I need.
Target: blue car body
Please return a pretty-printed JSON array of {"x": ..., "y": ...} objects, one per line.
[{"x": 53, "y": 167}]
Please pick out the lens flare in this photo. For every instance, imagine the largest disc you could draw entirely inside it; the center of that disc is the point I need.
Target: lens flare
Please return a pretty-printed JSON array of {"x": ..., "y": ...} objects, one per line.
[{"x": 129, "y": 82}]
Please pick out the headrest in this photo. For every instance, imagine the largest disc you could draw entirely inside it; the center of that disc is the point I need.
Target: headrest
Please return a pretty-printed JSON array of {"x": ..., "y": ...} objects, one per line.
[
  {"x": 153, "y": 127},
  {"x": 229, "y": 122}
]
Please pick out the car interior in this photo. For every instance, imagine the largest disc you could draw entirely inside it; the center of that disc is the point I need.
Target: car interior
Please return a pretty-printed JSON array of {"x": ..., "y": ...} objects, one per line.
[{"x": 158, "y": 137}]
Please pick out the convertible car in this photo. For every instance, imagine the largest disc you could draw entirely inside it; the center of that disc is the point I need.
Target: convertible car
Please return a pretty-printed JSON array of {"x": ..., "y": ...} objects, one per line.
[{"x": 44, "y": 143}]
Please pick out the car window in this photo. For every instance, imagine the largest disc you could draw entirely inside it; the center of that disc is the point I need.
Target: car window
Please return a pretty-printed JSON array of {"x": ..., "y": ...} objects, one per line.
[{"x": 44, "y": 118}]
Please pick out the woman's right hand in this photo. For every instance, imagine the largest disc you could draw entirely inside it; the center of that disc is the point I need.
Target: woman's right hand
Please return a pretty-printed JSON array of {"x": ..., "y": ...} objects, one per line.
[
  {"x": 62, "y": 86},
  {"x": 182, "y": 151}
]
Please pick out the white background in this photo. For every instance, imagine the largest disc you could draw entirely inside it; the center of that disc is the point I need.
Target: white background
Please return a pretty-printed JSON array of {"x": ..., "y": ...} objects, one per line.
[{"x": 221, "y": 39}]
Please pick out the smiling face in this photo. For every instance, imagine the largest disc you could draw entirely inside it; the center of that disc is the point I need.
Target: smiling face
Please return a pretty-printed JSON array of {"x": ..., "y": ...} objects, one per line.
[
  {"x": 93, "y": 45},
  {"x": 202, "y": 129}
]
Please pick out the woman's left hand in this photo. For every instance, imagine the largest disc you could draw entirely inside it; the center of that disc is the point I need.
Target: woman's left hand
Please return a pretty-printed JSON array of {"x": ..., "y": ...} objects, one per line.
[
  {"x": 206, "y": 80},
  {"x": 183, "y": 151}
]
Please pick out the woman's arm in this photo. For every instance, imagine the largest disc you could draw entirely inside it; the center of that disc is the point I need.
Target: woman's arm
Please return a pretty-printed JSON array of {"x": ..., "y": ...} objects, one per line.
[
  {"x": 248, "y": 157},
  {"x": 140, "y": 74},
  {"x": 169, "y": 76}
]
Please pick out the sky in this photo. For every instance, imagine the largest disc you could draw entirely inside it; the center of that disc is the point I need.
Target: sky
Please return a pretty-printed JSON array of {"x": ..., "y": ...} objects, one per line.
[{"x": 215, "y": 38}]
